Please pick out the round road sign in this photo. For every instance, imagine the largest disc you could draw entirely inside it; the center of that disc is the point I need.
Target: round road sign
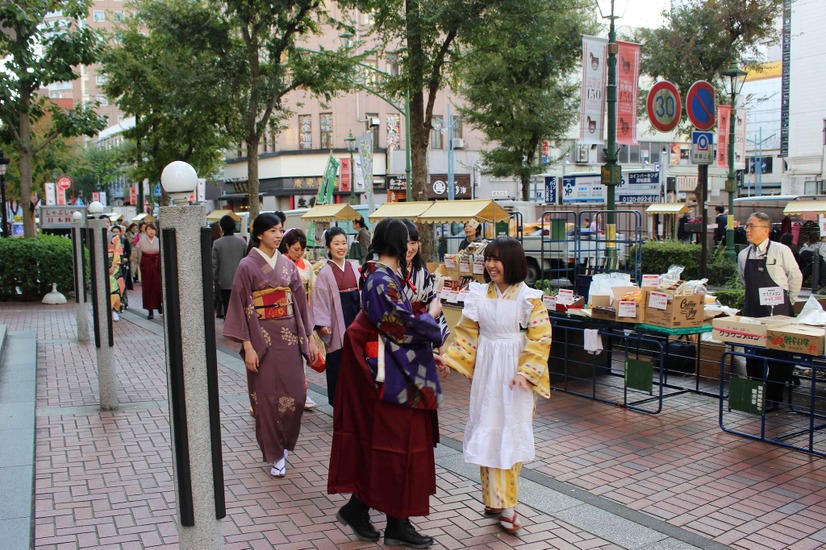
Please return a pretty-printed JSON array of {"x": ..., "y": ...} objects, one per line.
[
  {"x": 664, "y": 108},
  {"x": 64, "y": 182},
  {"x": 700, "y": 105}
]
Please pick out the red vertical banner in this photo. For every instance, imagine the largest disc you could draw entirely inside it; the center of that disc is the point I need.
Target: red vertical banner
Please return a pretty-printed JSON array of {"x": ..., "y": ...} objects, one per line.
[
  {"x": 61, "y": 197},
  {"x": 344, "y": 175},
  {"x": 133, "y": 194},
  {"x": 723, "y": 121},
  {"x": 628, "y": 75}
]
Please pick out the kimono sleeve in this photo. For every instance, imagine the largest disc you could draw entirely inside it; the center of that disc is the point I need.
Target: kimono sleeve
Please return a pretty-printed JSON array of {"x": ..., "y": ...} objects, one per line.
[
  {"x": 388, "y": 309},
  {"x": 322, "y": 300},
  {"x": 533, "y": 361},
  {"x": 303, "y": 325},
  {"x": 461, "y": 355}
]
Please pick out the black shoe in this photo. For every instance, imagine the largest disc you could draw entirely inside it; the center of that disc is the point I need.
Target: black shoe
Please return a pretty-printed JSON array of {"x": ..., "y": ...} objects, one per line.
[
  {"x": 356, "y": 514},
  {"x": 400, "y": 532},
  {"x": 151, "y": 315},
  {"x": 160, "y": 311}
]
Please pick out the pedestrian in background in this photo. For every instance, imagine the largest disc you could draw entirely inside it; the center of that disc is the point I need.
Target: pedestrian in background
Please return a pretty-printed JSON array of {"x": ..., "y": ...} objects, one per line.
[
  {"x": 293, "y": 244},
  {"x": 149, "y": 259},
  {"x": 722, "y": 223},
  {"x": 115, "y": 253},
  {"x": 361, "y": 243},
  {"x": 335, "y": 302},
  {"x": 502, "y": 344},
  {"x": 383, "y": 430},
  {"x": 227, "y": 253},
  {"x": 268, "y": 315}
]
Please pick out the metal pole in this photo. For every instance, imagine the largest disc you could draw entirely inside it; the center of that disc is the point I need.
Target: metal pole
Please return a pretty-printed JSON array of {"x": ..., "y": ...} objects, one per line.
[
  {"x": 702, "y": 176},
  {"x": 408, "y": 160},
  {"x": 81, "y": 307},
  {"x": 451, "y": 185},
  {"x": 731, "y": 183},
  {"x": 104, "y": 336},
  {"x": 352, "y": 180},
  {"x": 611, "y": 170},
  {"x": 3, "y": 198}
]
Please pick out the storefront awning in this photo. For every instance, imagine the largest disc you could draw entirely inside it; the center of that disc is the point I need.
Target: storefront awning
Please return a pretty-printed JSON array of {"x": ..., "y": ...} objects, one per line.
[
  {"x": 216, "y": 215},
  {"x": 235, "y": 196},
  {"x": 143, "y": 218},
  {"x": 668, "y": 208},
  {"x": 799, "y": 207},
  {"x": 464, "y": 210},
  {"x": 410, "y": 210},
  {"x": 331, "y": 213}
]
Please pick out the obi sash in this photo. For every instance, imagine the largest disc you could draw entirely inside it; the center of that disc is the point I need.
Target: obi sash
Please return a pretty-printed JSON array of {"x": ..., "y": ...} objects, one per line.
[{"x": 273, "y": 303}]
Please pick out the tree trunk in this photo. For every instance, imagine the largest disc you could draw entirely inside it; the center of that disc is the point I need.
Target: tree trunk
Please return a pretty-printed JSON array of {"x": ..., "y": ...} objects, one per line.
[
  {"x": 419, "y": 135},
  {"x": 25, "y": 159},
  {"x": 252, "y": 175}
]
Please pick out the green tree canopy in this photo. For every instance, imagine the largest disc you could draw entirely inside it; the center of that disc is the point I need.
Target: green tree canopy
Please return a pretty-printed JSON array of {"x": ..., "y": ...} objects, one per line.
[
  {"x": 36, "y": 54},
  {"x": 517, "y": 78}
]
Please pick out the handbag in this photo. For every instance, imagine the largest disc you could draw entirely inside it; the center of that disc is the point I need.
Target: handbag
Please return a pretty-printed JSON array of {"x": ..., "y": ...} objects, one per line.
[{"x": 320, "y": 364}]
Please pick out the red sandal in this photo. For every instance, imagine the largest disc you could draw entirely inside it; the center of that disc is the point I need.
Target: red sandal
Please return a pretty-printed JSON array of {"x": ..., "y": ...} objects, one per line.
[{"x": 510, "y": 524}]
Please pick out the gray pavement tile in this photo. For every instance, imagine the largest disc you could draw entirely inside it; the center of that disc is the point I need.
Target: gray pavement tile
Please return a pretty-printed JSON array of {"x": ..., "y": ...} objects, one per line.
[
  {"x": 16, "y": 533},
  {"x": 792, "y": 508},
  {"x": 612, "y": 528},
  {"x": 17, "y": 448},
  {"x": 16, "y": 415},
  {"x": 17, "y": 483},
  {"x": 18, "y": 392},
  {"x": 819, "y": 536}
]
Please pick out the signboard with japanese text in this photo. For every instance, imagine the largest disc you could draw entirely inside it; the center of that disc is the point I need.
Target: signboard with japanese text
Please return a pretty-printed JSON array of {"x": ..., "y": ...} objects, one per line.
[
  {"x": 550, "y": 189},
  {"x": 58, "y": 217},
  {"x": 639, "y": 187},
  {"x": 582, "y": 188},
  {"x": 594, "y": 76},
  {"x": 437, "y": 188}
]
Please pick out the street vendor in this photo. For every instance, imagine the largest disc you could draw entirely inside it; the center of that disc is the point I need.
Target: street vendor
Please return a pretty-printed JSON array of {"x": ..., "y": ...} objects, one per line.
[
  {"x": 764, "y": 265},
  {"x": 473, "y": 231}
]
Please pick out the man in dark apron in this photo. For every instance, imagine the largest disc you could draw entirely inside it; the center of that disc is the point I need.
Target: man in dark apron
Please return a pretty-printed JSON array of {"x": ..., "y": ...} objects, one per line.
[{"x": 765, "y": 265}]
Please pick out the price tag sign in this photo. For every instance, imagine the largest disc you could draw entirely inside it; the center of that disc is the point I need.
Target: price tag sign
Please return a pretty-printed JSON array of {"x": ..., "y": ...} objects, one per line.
[
  {"x": 478, "y": 265},
  {"x": 550, "y": 302},
  {"x": 444, "y": 294},
  {"x": 464, "y": 265},
  {"x": 565, "y": 296},
  {"x": 453, "y": 298},
  {"x": 462, "y": 295},
  {"x": 658, "y": 300},
  {"x": 771, "y": 296},
  {"x": 449, "y": 262},
  {"x": 627, "y": 308},
  {"x": 650, "y": 280}
]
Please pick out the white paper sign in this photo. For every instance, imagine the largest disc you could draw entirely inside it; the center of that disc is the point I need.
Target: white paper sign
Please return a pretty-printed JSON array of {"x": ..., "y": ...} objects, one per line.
[
  {"x": 658, "y": 300},
  {"x": 550, "y": 302},
  {"x": 463, "y": 294},
  {"x": 478, "y": 265},
  {"x": 772, "y": 296},
  {"x": 565, "y": 296},
  {"x": 449, "y": 263},
  {"x": 627, "y": 308},
  {"x": 453, "y": 297},
  {"x": 444, "y": 294},
  {"x": 464, "y": 265},
  {"x": 650, "y": 280}
]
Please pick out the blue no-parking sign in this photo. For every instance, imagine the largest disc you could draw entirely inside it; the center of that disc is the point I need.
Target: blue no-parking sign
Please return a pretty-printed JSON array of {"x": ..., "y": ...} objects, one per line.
[{"x": 701, "y": 105}]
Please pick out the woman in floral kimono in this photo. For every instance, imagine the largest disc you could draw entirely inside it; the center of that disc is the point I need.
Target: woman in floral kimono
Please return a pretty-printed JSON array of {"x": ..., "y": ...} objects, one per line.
[
  {"x": 293, "y": 244},
  {"x": 268, "y": 315},
  {"x": 502, "y": 344},
  {"x": 335, "y": 302},
  {"x": 116, "y": 284},
  {"x": 383, "y": 434}
]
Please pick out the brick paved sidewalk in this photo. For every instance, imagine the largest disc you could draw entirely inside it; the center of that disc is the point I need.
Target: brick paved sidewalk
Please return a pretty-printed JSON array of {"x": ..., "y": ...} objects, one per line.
[{"x": 604, "y": 477}]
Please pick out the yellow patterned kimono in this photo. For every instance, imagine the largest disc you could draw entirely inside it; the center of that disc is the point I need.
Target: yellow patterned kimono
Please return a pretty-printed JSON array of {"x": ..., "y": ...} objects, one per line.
[{"x": 500, "y": 335}]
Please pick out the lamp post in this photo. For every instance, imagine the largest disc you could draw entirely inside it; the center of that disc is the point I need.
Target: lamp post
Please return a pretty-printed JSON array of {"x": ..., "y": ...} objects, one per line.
[
  {"x": 4, "y": 165},
  {"x": 736, "y": 79},
  {"x": 350, "y": 141},
  {"x": 611, "y": 171}
]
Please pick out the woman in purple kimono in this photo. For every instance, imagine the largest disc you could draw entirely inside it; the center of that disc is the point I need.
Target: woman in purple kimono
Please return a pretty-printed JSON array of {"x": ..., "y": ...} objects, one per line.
[
  {"x": 335, "y": 302},
  {"x": 383, "y": 430},
  {"x": 268, "y": 315}
]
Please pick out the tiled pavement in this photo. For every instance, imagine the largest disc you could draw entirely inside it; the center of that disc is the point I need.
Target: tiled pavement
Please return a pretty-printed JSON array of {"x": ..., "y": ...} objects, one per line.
[{"x": 604, "y": 477}]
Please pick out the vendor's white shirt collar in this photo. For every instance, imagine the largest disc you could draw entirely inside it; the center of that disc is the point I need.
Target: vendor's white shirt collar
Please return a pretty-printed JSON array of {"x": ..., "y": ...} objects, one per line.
[
  {"x": 762, "y": 248},
  {"x": 270, "y": 261}
]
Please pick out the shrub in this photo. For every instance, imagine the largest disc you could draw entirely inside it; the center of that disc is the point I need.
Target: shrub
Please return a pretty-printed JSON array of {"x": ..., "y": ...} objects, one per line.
[
  {"x": 658, "y": 256},
  {"x": 32, "y": 265},
  {"x": 732, "y": 297}
]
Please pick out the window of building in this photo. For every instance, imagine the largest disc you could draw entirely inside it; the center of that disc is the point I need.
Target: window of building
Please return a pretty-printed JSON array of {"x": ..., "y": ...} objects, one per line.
[
  {"x": 372, "y": 118},
  {"x": 457, "y": 127},
  {"x": 99, "y": 15},
  {"x": 436, "y": 136},
  {"x": 60, "y": 85},
  {"x": 325, "y": 123},
  {"x": 305, "y": 132},
  {"x": 103, "y": 100},
  {"x": 118, "y": 15},
  {"x": 101, "y": 79}
]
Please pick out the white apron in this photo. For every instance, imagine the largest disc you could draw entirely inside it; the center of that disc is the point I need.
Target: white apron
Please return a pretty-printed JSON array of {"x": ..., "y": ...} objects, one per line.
[{"x": 499, "y": 432}]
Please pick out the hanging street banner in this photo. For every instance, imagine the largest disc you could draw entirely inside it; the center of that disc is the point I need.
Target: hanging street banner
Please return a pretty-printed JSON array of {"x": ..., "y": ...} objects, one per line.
[
  {"x": 550, "y": 189},
  {"x": 345, "y": 176},
  {"x": 49, "y": 191},
  {"x": 639, "y": 187},
  {"x": 325, "y": 190},
  {"x": 723, "y": 121},
  {"x": 365, "y": 148},
  {"x": 628, "y": 75},
  {"x": 594, "y": 75},
  {"x": 740, "y": 138}
]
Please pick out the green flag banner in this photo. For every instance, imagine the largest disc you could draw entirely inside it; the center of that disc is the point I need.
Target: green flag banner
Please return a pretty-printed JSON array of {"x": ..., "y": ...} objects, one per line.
[{"x": 325, "y": 193}]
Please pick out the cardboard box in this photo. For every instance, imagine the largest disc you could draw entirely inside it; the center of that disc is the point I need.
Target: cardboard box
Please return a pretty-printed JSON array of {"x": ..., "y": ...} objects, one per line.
[
  {"x": 611, "y": 308},
  {"x": 753, "y": 332},
  {"x": 796, "y": 338},
  {"x": 680, "y": 311},
  {"x": 710, "y": 354}
]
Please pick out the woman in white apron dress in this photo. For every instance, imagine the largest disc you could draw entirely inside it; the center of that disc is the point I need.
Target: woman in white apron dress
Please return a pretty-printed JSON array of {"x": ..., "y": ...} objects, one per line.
[{"x": 502, "y": 344}]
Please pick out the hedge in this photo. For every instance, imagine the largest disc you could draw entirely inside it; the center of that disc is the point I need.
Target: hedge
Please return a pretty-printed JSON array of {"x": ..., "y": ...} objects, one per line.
[
  {"x": 658, "y": 256},
  {"x": 32, "y": 265}
]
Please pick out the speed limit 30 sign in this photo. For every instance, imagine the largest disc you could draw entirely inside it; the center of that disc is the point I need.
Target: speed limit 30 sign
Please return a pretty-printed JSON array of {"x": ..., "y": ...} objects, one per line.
[{"x": 664, "y": 107}]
